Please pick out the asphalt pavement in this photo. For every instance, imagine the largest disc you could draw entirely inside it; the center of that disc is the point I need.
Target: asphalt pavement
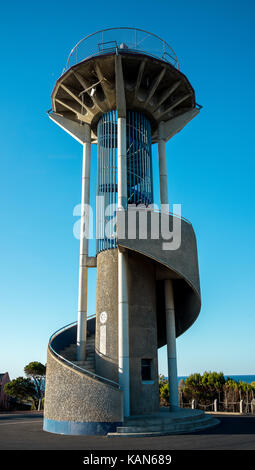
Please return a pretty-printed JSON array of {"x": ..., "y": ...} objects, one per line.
[{"x": 23, "y": 431}]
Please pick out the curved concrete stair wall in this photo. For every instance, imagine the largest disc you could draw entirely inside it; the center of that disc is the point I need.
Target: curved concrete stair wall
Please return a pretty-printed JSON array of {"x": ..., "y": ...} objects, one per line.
[
  {"x": 76, "y": 400},
  {"x": 180, "y": 264}
]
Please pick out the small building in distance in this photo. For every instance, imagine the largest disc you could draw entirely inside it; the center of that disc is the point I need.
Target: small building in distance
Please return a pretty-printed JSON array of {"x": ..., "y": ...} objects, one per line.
[{"x": 4, "y": 399}]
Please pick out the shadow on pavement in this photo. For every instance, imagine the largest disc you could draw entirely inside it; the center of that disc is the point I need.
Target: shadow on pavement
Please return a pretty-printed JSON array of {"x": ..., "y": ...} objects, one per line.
[{"x": 233, "y": 424}]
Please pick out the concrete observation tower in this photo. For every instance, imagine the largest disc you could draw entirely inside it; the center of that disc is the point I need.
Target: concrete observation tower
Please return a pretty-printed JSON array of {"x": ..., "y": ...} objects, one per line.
[{"x": 122, "y": 90}]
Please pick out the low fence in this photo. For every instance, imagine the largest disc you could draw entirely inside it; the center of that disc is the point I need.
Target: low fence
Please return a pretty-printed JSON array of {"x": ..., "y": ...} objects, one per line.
[{"x": 242, "y": 406}]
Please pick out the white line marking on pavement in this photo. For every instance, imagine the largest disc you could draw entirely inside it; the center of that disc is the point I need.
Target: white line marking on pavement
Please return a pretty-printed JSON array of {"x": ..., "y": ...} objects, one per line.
[{"x": 22, "y": 422}]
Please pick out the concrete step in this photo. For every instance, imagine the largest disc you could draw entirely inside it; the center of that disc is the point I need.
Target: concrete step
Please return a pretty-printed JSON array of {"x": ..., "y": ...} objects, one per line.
[
  {"x": 163, "y": 418},
  {"x": 86, "y": 367},
  {"x": 73, "y": 347},
  {"x": 85, "y": 364},
  {"x": 89, "y": 369},
  {"x": 71, "y": 355},
  {"x": 187, "y": 424},
  {"x": 70, "y": 351},
  {"x": 180, "y": 428}
]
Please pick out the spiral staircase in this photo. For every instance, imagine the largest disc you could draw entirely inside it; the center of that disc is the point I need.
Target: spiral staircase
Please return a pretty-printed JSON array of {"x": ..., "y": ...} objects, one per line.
[
  {"x": 84, "y": 402},
  {"x": 162, "y": 423}
]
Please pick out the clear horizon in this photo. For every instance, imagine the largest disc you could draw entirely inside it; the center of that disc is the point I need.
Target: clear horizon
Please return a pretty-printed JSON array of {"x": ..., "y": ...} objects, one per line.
[{"x": 211, "y": 169}]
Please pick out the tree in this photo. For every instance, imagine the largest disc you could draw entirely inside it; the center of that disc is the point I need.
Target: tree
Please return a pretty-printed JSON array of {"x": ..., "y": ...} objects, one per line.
[
  {"x": 163, "y": 391},
  {"x": 36, "y": 372},
  {"x": 213, "y": 383},
  {"x": 204, "y": 388},
  {"x": 193, "y": 387},
  {"x": 21, "y": 389}
]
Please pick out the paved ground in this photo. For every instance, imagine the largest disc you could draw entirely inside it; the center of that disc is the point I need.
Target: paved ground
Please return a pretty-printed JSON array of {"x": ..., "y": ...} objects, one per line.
[{"x": 24, "y": 431}]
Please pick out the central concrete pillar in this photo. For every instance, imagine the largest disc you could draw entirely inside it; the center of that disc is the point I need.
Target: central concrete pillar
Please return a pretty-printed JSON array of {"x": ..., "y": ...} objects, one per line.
[{"x": 107, "y": 362}]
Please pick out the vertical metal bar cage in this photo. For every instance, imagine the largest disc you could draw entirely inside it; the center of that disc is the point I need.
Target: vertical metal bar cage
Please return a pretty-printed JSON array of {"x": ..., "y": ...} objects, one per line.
[
  {"x": 139, "y": 159},
  {"x": 107, "y": 189},
  {"x": 139, "y": 171}
]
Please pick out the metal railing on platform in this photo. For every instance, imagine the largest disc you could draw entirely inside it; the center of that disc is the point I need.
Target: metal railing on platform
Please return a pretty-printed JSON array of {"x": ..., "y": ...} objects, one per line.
[{"x": 123, "y": 39}]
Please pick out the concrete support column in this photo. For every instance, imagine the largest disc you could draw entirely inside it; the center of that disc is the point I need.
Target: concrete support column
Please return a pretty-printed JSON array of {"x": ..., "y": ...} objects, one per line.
[
  {"x": 83, "y": 269},
  {"x": 123, "y": 326},
  {"x": 171, "y": 345},
  {"x": 169, "y": 299},
  {"x": 162, "y": 166}
]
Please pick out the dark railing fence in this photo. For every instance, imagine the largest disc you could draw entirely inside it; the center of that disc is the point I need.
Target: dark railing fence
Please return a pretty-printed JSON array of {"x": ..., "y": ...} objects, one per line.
[{"x": 243, "y": 406}]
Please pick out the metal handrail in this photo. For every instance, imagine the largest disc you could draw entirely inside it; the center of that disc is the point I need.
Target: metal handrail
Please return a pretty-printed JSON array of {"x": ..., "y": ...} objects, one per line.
[
  {"x": 68, "y": 326},
  {"x": 150, "y": 209},
  {"x": 58, "y": 331},
  {"x": 173, "y": 214},
  {"x": 167, "y": 54},
  {"x": 75, "y": 366}
]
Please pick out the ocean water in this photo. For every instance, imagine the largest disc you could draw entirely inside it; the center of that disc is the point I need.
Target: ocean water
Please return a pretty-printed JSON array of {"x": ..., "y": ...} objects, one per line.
[{"x": 238, "y": 378}]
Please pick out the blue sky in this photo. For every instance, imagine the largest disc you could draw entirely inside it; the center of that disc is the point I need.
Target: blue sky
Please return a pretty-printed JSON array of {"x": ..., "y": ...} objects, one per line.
[{"x": 210, "y": 172}]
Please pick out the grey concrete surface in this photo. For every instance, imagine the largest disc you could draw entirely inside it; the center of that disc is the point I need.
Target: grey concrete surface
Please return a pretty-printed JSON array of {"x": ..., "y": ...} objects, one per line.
[
  {"x": 107, "y": 301},
  {"x": 136, "y": 68},
  {"x": 25, "y": 432},
  {"x": 180, "y": 264},
  {"x": 144, "y": 397}
]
